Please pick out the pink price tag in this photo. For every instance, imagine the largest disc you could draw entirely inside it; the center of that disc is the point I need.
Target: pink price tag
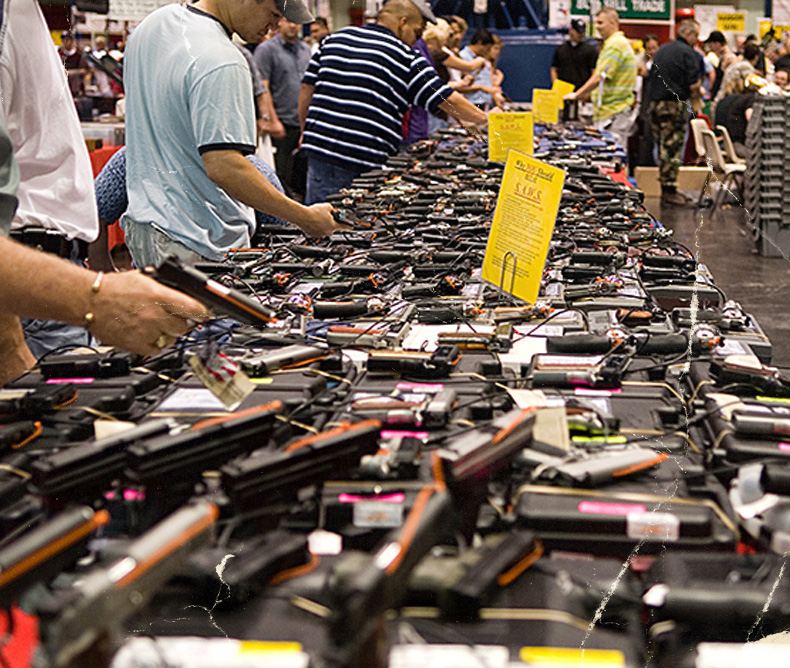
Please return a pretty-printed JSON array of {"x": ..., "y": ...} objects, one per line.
[
  {"x": 422, "y": 435},
  {"x": 603, "y": 508},
  {"x": 400, "y": 497},
  {"x": 784, "y": 447},
  {"x": 427, "y": 388},
  {"x": 63, "y": 381}
]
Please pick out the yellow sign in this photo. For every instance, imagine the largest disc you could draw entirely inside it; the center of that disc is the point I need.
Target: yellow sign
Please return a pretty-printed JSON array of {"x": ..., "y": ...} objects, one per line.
[
  {"x": 546, "y": 105},
  {"x": 264, "y": 647},
  {"x": 779, "y": 30},
  {"x": 508, "y": 130},
  {"x": 731, "y": 22},
  {"x": 571, "y": 656},
  {"x": 526, "y": 210},
  {"x": 562, "y": 87}
]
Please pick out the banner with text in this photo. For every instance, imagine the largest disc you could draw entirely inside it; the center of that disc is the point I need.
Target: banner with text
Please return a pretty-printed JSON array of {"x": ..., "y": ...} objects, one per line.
[
  {"x": 731, "y": 22},
  {"x": 529, "y": 198},
  {"x": 650, "y": 10}
]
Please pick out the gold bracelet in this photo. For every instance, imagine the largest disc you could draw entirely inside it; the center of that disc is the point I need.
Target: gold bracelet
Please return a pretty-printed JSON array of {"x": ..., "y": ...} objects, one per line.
[{"x": 89, "y": 318}]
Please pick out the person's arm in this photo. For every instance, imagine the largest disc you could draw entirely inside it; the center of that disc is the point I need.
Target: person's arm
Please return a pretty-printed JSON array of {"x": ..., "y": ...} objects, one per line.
[
  {"x": 239, "y": 178},
  {"x": 15, "y": 356},
  {"x": 305, "y": 98},
  {"x": 128, "y": 309},
  {"x": 466, "y": 66},
  {"x": 586, "y": 88},
  {"x": 272, "y": 126},
  {"x": 461, "y": 83},
  {"x": 463, "y": 110},
  {"x": 553, "y": 73}
]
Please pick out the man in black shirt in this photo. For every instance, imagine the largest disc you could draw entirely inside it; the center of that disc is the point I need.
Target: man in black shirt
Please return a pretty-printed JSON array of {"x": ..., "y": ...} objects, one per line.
[
  {"x": 574, "y": 59},
  {"x": 676, "y": 69}
]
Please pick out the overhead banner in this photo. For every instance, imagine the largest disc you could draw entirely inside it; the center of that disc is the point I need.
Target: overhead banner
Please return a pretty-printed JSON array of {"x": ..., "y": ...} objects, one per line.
[
  {"x": 647, "y": 10},
  {"x": 731, "y": 22}
]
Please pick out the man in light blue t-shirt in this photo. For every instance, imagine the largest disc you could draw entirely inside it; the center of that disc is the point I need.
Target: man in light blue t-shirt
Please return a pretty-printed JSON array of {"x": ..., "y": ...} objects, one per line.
[
  {"x": 480, "y": 91},
  {"x": 190, "y": 122}
]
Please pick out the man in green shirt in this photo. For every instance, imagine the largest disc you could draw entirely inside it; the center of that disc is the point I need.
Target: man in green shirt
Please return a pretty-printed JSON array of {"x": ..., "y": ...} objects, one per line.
[{"x": 614, "y": 78}]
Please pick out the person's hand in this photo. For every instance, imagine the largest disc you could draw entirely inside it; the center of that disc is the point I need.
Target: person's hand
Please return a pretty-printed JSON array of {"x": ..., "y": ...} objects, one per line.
[
  {"x": 278, "y": 130},
  {"x": 480, "y": 63},
  {"x": 319, "y": 222},
  {"x": 135, "y": 312},
  {"x": 274, "y": 129},
  {"x": 570, "y": 96},
  {"x": 473, "y": 131}
]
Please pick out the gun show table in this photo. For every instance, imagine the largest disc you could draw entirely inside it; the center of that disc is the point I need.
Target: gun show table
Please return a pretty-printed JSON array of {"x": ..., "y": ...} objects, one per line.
[{"x": 377, "y": 458}]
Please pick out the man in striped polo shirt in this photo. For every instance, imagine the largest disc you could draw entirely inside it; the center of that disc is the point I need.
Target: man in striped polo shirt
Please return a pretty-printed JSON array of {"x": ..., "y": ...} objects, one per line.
[
  {"x": 614, "y": 77},
  {"x": 357, "y": 88}
]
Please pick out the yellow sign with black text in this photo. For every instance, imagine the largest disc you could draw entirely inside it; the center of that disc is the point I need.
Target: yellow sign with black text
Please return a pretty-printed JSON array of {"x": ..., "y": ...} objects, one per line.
[
  {"x": 529, "y": 198},
  {"x": 731, "y": 22},
  {"x": 546, "y": 105},
  {"x": 508, "y": 130}
]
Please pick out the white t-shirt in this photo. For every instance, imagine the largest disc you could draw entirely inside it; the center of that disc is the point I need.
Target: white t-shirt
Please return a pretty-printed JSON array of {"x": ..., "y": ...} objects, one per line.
[
  {"x": 56, "y": 179},
  {"x": 188, "y": 91}
]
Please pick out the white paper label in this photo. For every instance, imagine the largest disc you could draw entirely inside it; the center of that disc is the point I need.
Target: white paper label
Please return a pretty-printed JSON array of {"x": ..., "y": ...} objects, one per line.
[
  {"x": 449, "y": 656},
  {"x": 653, "y": 526},
  {"x": 377, "y": 514}
]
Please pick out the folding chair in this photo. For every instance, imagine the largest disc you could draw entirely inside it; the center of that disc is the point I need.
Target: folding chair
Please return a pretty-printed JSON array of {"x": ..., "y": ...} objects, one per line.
[{"x": 730, "y": 173}]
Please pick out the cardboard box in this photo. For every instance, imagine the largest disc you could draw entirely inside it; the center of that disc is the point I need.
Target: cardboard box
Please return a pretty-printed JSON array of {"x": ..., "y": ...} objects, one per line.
[{"x": 689, "y": 178}]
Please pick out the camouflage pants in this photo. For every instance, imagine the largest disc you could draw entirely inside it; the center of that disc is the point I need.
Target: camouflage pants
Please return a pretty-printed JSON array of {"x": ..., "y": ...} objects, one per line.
[{"x": 668, "y": 121}]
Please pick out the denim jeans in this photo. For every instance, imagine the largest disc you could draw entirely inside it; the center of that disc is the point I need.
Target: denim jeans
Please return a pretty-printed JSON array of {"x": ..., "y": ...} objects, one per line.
[
  {"x": 326, "y": 178},
  {"x": 44, "y": 336}
]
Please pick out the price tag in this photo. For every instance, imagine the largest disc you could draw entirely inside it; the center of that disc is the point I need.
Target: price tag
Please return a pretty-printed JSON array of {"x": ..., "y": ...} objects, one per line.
[
  {"x": 653, "y": 526},
  {"x": 380, "y": 514},
  {"x": 224, "y": 378}
]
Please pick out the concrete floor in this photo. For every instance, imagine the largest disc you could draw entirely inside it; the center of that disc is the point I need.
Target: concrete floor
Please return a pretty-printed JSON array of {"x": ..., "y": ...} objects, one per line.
[{"x": 724, "y": 242}]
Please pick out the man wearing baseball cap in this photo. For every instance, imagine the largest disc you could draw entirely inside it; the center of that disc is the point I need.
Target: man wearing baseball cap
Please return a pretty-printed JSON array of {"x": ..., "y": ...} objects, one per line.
[
  {"x": 190, "y": 122},
  {"x": 357, "y": 88},
  {"x": 574, "y": 59}
]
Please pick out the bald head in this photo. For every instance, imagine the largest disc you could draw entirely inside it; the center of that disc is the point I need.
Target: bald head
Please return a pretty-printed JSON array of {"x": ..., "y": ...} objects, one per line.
[
  {"x": 404, "y": 19},
  {"x": 399, "y": 9}
]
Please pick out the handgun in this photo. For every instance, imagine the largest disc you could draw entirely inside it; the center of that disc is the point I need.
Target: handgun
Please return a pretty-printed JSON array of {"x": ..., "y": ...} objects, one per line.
[
  {"x": 221, "y": 299},
  {"x": 270, "y": 476},
  {"x": 45, "y": 551},
  {"x": 438, "y": 364},
  {"x": 74, "y": 621},
  {"x": 178, "y": 460},
  {"x": 82, "y": 472},
  {"x": 461, "y": 585},
  {"x": 264, "y": 362}
]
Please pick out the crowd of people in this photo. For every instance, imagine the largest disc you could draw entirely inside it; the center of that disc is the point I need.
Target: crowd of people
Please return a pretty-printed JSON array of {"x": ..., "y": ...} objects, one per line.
[
  {"x": 204, "y": 81},
  {"x": 646, "y": 100}
]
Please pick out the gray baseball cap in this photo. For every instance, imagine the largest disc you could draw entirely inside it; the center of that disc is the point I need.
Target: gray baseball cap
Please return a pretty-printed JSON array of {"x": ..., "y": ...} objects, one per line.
[
  {"x": 425, "y": 10},
  {"x": 295, "y": 11}
]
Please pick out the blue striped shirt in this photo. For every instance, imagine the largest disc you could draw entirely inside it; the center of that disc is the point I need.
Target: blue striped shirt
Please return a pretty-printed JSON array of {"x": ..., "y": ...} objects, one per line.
[{"x": 365, "y": 80}]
